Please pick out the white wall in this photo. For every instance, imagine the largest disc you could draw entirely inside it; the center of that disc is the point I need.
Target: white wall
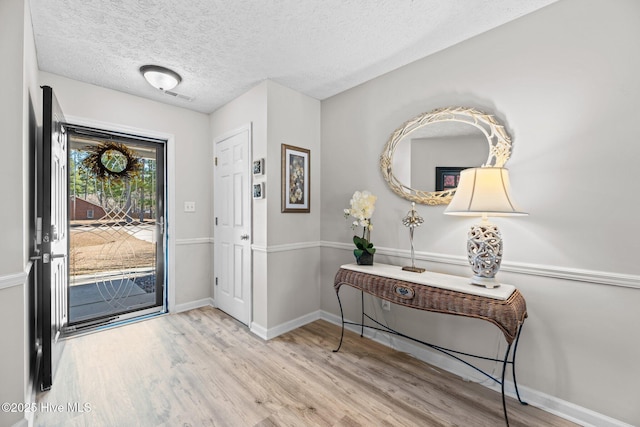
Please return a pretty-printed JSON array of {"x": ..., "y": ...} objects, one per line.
[
  {"x": 564, "y": 81},
  {"x": 250, "y": 108},
  {"x": 293, "y": 249},
  {"x": 18, "y": 53},
  {"x": 11, "y": 116},
  {"x": 188, "y": 168},
  {"x": 286, "y": 253}
]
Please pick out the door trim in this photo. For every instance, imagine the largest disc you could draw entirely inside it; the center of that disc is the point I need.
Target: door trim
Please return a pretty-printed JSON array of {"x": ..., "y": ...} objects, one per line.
[
  {"x": 170, "y": 193},
  {"x": 247, "y": 127}
]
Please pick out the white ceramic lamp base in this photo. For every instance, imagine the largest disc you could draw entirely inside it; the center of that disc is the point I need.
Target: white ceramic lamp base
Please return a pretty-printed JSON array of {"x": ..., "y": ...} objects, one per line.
[{"x": 484, "y": 251}]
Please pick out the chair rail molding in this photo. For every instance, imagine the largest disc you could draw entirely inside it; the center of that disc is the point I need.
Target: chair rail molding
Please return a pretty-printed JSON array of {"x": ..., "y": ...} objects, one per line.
[
  {"x": 11, "y": 280},
  {"x": 194, "y": 241},
  {"x": 548, "y": 271},
  {"x": 286, "y": 247}
]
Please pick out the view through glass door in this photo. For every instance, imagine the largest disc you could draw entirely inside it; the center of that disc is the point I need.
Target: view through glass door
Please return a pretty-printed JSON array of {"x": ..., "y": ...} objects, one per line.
[{"x": 116, "y": 227}]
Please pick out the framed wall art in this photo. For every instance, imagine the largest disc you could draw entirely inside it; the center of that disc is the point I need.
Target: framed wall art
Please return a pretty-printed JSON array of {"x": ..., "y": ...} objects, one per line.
[
  {"x": 258, "y": 190},
  {"x": 447, "y": 177},
  {"x": 295, "y": 179},
  {"x": 258, "y": 167}
]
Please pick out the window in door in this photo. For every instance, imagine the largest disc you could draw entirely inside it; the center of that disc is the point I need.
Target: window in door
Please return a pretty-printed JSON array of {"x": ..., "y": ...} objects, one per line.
[{"x": 116, "y": 227}]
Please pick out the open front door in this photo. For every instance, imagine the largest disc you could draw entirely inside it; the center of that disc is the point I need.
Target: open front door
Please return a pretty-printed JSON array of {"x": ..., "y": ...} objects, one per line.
[{"x": 52, "y": 259}]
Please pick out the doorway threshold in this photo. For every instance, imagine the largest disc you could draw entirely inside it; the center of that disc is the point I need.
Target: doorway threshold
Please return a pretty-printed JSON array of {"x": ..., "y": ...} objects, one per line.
[{"x": 75, "y": 331}]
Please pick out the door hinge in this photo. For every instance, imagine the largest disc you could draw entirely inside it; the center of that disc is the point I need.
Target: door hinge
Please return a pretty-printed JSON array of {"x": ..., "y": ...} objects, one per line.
[
  {"x": 215, "y": 161},
  {"x": 216, "y": 281},
  {"x": 216, "y": 220}
]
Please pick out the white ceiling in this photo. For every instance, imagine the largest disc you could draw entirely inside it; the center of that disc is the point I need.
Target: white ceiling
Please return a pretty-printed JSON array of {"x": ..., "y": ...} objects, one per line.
[{"x": 222, "y": 48}]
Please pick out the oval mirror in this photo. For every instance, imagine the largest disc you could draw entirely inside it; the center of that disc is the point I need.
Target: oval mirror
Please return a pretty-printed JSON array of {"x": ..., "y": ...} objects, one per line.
[{"x": 423, "y": 157}]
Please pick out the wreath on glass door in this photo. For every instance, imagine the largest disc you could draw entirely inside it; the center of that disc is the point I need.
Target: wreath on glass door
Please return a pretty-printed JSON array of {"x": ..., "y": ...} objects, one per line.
[{"x": 112, "y": 160}]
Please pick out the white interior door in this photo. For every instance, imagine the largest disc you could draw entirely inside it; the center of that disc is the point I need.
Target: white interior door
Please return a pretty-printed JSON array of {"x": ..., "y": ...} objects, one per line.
[{"x": 232, "y": 224}]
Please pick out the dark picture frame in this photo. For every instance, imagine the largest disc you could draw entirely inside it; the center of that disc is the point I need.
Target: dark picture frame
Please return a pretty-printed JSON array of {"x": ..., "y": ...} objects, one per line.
[
  {"x": 258, "y": 167},
  {"x": 258, "y": 190},
  {"x": 448, "y": 177},
  {"x": 296, "y": 179}
]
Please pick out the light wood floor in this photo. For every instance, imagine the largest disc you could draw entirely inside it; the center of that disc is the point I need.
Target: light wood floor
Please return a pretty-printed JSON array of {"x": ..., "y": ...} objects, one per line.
[{"x": 202, "y": 368}]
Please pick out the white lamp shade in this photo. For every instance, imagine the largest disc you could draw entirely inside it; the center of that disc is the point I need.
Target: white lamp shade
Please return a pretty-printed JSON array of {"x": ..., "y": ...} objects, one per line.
[
  {"x": 160, "y": 77},
  {"x": 483, "y": 192}
]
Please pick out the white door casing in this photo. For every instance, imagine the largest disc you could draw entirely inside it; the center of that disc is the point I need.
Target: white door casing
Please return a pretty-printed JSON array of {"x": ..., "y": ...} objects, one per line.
[{"x": 232, "y": 224}]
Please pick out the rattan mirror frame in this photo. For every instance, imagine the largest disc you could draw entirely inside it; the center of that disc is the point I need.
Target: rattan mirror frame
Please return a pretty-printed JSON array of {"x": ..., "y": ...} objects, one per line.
[{"x": 497, "y": 138}]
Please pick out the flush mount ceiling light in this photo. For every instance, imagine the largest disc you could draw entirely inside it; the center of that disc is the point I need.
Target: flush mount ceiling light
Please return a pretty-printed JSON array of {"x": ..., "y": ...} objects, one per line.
[{"x": 160, "y": 77}]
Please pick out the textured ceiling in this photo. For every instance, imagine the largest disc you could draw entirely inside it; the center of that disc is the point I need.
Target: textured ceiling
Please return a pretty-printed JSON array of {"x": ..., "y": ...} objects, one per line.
[{"x": 221, "y": 48}]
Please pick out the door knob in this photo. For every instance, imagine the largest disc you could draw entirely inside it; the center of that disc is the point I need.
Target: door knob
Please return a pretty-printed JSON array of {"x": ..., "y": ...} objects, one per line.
[{"x": 244, "y": 237}]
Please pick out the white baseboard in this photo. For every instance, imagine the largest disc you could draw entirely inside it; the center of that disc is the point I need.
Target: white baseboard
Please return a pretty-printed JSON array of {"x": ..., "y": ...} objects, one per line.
[
  {"x": 259, "y": 330},
  {"x": 561, "y": 408},
  {"x": 267, "y": 334},
  {"x": 204, "y": 302},
  {"x": 567, "y": 410}
]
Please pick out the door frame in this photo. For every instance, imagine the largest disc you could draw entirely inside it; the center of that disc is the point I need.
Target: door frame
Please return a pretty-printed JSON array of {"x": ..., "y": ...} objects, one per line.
[
  {"x": 170, "y": 193},
  {"x": 247, "y": 127},
  {"x": 122, "y": 313}
]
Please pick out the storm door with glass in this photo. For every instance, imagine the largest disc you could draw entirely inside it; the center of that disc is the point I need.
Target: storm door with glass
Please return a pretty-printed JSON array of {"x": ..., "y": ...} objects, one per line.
[{"x": 116, "y": 227}]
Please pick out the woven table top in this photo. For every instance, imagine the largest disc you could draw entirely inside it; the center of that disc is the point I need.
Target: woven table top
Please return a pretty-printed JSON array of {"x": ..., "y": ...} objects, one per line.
[{"x": 507, "y": 314}]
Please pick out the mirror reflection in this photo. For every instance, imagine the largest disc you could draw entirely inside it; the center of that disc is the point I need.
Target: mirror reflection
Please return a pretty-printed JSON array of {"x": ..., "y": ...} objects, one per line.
[
  {"x": 422, "y": 158},
  {"x": 448, "y": 145}
]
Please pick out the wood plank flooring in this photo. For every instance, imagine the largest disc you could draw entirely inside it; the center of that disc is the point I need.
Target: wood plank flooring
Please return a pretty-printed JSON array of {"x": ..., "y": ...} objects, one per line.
[{"x": 202, "y": 368}]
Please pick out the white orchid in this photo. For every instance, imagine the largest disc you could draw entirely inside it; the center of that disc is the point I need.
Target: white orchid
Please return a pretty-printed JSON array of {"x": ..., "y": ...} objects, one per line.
[{"x": 362, "y": 207}]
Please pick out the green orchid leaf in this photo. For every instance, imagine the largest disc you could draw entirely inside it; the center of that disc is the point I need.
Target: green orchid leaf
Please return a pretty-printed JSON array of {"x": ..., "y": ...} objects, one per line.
[{"x": 363, "y": 245}]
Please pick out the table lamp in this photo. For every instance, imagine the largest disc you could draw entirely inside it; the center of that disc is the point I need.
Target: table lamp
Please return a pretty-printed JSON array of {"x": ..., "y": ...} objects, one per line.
[{"x": 484, "y": 192}]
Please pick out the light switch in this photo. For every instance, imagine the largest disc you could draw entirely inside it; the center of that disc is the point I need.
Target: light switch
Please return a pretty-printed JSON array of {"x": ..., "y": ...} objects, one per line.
[{"x": 189, "y": 206}]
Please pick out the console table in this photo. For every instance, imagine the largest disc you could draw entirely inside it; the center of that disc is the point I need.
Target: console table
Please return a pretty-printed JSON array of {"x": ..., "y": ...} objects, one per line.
[{"x": 503, "y": 306}]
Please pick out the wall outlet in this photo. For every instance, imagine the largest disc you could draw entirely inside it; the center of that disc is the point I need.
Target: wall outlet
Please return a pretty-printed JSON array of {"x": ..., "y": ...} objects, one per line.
[
  {"x": 189, "y": 206},
  {"x": 386, "y": 305}
]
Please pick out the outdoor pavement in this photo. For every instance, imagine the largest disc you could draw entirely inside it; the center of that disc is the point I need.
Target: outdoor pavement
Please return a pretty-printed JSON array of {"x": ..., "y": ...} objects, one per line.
[{"x": 105, "y": 297}]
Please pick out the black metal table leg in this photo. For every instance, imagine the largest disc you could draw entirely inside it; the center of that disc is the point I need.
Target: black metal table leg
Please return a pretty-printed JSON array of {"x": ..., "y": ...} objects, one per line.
[
  {"x": 513, "y": 364},
  {"x": 504, "y": 370},
  {"x": 342, "y": 319},
  {"x": 362, "y": 316},
  {"x": 452, "y": 353}
]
